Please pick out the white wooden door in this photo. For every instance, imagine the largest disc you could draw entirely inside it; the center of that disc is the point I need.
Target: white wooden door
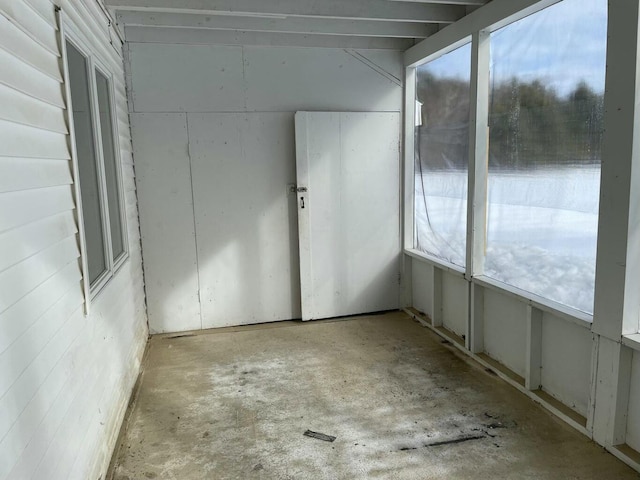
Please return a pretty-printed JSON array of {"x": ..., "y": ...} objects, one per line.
[{"x": 348, "y": 212}]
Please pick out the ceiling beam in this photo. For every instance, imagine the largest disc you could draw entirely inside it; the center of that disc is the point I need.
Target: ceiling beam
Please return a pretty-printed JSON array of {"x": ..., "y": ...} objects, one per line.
[
  {"x": 318, "y": 26},
  {"x": 201, "y": 36},
  {"x": 336, "y": 9},
  {"x": 496, "y": 14}
]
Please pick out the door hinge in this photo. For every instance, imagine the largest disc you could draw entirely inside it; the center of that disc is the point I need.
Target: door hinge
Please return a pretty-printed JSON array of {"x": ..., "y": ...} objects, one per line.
[{"x": 399, "y": 278}]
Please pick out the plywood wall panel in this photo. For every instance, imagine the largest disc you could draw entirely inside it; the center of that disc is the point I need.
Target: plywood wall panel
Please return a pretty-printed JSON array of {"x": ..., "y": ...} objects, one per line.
[
  {"x": 505, "y": 336},
  {"x": 292, "y": 79},
  {"x": 455, "y": 303},
  {"x": 422, "y": 285},
  {"x": 245, "y": 218},
  {"x": 186, "y": 78},
  {"x": 566, "y": 362},
  {"x": 163, "y": 180},
  {"x": 633, "y": 416}
]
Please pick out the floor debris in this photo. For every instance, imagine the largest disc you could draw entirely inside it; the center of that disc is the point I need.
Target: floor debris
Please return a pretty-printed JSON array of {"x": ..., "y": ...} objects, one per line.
[
  {"x": 455, "y": 440},
  {"x": 319, "y": 436}
]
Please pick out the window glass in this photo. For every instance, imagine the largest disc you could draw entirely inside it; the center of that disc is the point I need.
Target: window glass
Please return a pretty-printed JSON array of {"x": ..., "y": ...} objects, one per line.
[
  {"x": 87, "y": 165},
  {"x": 110, "y": 166},
  {"x": 442, "y": 154},
  {"x": 546, "y": 123}
]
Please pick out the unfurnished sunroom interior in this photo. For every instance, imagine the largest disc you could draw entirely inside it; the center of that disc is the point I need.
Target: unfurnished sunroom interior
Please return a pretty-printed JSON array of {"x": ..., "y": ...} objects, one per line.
[{"x": 319, "y": 239}]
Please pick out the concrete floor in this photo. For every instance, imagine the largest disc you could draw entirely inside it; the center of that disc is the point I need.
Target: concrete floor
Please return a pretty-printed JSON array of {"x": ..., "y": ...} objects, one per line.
[{"x": 234, "y": 403}]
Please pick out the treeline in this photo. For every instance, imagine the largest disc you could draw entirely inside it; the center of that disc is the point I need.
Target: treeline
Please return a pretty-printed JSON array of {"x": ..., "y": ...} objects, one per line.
[{"x": 530, "y": 125}]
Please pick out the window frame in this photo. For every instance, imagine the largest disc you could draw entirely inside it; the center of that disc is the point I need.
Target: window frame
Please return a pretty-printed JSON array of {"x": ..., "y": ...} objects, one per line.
[
  {"x": 68, "y": 32},
  {"x": 478, "y": 33},
  {"x": 411, "y": 248},
  {"x": 614, "y": 323},
  {"x": 410, "y": 233},
  {"x": 100, "y": 67}
]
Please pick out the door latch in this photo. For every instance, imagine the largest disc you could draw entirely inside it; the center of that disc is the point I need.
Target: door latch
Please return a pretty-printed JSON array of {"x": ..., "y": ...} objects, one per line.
[{"x": 292, "y": 188}]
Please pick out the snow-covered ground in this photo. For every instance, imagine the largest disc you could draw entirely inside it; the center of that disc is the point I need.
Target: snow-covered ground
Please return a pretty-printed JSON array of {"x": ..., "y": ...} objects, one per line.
[{"x": 542, "y": 228}]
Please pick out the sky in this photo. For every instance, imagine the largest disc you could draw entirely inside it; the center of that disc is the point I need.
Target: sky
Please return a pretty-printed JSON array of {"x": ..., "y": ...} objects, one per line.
[{"x": 560, "y": 45}]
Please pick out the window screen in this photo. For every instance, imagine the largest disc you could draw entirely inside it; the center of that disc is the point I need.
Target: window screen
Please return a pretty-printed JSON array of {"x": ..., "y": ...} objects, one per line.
[
  {"x": 546, "y": 123},
  {"x": 441, "y": 156}
]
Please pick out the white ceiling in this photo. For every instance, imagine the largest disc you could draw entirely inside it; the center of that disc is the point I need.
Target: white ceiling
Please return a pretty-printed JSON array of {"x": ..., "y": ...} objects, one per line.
[{"x": 356, "y": 23}]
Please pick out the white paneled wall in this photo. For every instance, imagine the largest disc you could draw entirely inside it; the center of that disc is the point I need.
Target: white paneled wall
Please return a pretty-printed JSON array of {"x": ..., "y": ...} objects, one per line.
[
  {"x": 455, "y": 303},
  {"x": 65, "y": 378},
  {"x": 186, "y": 78},
  {"x": 566, "y": 362},
  {"x": 166, "y": 215},
  {"x": 222, "y": 78},
  {"x": 505, "y": 333},
  {"x": 247, "y": 258},
  {"x": 633, "y": 416},
  {"x": 564, "y": 348},
  {"x": 421, "y": 284},
  {"x": 213, "y": 136}
]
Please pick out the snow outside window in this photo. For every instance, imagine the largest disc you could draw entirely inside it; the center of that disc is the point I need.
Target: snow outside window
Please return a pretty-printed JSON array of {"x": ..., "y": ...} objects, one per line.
[
  {"x": 442, "y": 154},
  {"x": 546, "y": 123}
]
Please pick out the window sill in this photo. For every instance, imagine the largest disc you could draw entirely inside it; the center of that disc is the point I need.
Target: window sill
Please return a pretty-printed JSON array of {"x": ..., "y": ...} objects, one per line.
[
  {"x": 435, "y": 261},
  {"x": 632, "y": 341},
  {"x": 106, "y": 278},
  {"x": 573, "y": 315}
]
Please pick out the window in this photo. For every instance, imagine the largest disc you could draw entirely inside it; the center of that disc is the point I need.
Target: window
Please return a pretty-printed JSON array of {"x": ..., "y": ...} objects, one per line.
[
  {"x": 97, "y": 165},
  {"x": 110, "y": 165},
  {"x": 546, "y": 124},
  {"x": 442, "y": 155}
]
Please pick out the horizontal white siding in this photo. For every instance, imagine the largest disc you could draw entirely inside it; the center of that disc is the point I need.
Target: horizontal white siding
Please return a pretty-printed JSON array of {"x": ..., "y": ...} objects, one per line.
[{"x": 65, "y": 378}]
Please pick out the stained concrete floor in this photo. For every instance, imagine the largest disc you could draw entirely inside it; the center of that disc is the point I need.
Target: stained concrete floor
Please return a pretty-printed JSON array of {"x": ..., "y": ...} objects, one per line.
[{"x": 234, "y": 403}]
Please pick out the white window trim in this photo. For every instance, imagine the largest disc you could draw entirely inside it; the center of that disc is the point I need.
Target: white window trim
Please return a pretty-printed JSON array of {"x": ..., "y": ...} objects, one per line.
[
  {"x": 474, "y": 28},
  {"x": 118, "y": 261},
  {"x": 572, "y": 315},
  {"x": 68, "y": 32}
]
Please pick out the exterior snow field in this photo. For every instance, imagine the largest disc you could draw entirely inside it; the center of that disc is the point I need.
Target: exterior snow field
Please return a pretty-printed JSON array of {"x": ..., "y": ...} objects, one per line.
[{"x": 541, "y": 228}]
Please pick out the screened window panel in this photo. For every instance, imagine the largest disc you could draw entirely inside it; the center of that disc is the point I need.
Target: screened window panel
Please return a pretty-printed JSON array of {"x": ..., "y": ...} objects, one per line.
[
  {"x": 110, "y": 165},
  {"x": 546, "y": 124},
  {"x": 442, "y": 155},
  {"x": 87, "y": 163}
]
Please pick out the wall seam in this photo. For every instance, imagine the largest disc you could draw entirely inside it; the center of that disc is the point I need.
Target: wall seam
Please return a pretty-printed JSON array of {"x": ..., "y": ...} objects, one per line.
[{"x": 193, "y": 210}]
